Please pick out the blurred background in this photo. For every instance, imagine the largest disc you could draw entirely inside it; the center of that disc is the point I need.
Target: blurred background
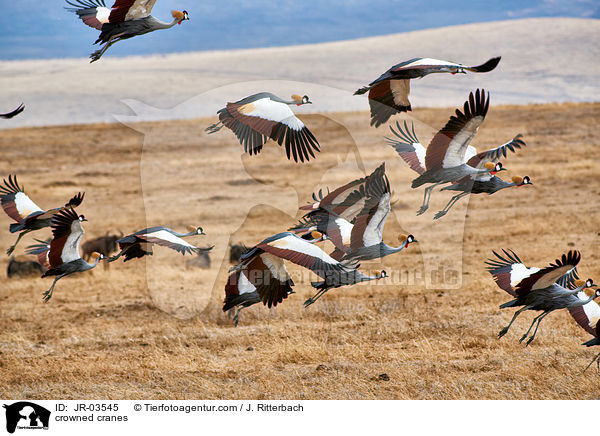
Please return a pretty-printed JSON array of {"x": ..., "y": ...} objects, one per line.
[{"x": 33, "y": 29}]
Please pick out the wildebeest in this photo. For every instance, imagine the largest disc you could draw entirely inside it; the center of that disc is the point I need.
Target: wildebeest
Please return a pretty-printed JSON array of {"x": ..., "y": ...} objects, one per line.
[
  {"x": 202, "y": 260},
  {"x": 23, "y": 268},
  {"x": 105, "y": 245},
  {"x": 235, "y": 253}
]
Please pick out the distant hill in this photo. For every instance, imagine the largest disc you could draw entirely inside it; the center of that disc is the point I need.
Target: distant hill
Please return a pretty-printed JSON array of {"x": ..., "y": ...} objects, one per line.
[
  {"x": 44, "y": 29},
  {"x": 543, "y": 60}
]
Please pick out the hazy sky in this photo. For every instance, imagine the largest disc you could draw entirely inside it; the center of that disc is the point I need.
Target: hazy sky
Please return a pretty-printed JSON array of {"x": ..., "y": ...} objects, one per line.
[{"x": 44, "y": 29}]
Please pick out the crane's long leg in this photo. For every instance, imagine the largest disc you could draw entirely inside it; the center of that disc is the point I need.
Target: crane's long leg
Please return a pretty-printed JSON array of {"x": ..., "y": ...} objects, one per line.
[
  {"x": 536, "y": 328},
  {"x": 505, "y": 329},
  {"x": 98, "y": 53},
  {"x": 214, "y": 127},
  {"x": 426, "y": 198},
  {"x": 48, "y": 294},
  {"x": 315, "y": 297},
  {"x": 451, "y": 203},
  {"x": 12, "y": 248},
  {"x": 541, "y": 315},
  {"x": 595, "y": 359},
  {"x": 236, "y": 317},
  {"x": 115, "y": 257}
]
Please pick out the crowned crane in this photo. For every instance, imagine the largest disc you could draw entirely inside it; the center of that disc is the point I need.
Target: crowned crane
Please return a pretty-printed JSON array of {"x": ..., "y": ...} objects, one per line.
[
  {"x": 545, "y": 290},
  {"x": 28, "y": 215},
  {"x": 360, "y": 236},
  {"x": 124, "y": 20},
  {"x": 264, "y": 115},
  {"x": 469, "y": 186},
  {"x": 258, "y": 280},
  {"x": 14, "y": 113},
  {"x": 139, "y": 244},
  {"x": 588, "y": 317},
  {"x": 61, "y": 255},
  {"x": 287, "y": 246},
  {"x": 334, "y": 214},
  {"x": 445, "y": 160},
  {"x": 388, "y": 94},
  {"x": 413, "y": 153}
]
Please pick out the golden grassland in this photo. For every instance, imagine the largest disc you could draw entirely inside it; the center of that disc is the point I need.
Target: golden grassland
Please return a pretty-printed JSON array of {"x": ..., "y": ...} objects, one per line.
[{"x": 152, "y": 328}]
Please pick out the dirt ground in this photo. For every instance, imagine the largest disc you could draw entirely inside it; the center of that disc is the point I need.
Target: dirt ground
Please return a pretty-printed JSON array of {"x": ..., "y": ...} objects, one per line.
[{"x": 154, "y": 329}]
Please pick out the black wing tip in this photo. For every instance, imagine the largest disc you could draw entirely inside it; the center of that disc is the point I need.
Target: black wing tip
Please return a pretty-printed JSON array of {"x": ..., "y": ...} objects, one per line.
[
  {"x": 14, "y": 113},
  {"x": 487, "y": 66},
  {"x": 362, "y": 90}
]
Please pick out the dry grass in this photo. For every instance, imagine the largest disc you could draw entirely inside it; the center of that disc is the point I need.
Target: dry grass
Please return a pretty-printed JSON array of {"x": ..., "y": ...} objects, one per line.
[{"x": 152, "y": 329}]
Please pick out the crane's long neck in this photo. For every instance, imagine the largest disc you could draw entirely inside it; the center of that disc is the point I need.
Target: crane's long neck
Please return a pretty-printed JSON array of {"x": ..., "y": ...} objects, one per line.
[
  {"x": 93, "y": 265},
  {"x": 502, "y": 185},
  {"x": 183, "y": 235},
  {"x": 163, "y": 25},
  {"x": 392, "y": 250},
  {"x": 584, "y": 302}
]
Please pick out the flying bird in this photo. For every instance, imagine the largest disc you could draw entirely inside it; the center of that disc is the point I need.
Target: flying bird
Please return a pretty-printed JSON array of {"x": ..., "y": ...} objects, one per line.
[
  {"x": 261, "y": 278},
  {"x": 139, "y": 244},
  {"x": 16, "y": 112},
  {"x": 358, "y": 232},
  {"x": 28, "y": 215},
  {"x": 124, "y": 20},
  {"x": 61, "y": 255},
  {"x": 546, "y": 290},
  {"x": 588, "y": 317},
  {"x": 469, "y": 186},
  {"x": 413, "y": 153},
  {"x": 388, "y": 94},
  {"x": 264, "y": 115},
  {"x": 446, "y": 158},
  {"x": 287, "y": 246}
]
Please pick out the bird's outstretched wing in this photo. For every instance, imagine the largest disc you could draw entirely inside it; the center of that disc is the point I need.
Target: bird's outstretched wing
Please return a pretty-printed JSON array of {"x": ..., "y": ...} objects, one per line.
[
  {"x": 420, "y": 67},
  {"x": 264, "y": 274},
  {"x": 126, "y": 10},
  {"x": 449, "y": 146},
  {"x": 15, "y": 202},
  {"x": 94, "y": 13},
  {"x": 587, "y": 315},
  {"x": 566, "y": 265},
  {"x": 495, "y": 154},
  {"x": 368, "y": 227},
  {"x": 508, "y": 270},
  {"x": 349, "y": 200},
  {"x": 67, "y": 233},
  {"x": 408, "y": 146},
  {"x": 165, "y": 237},
  {"x": 296, "y": 250},
  {"x": 14, "y": 113},
  {"x": 255, "y": 120},
  {"x": 41, "y": 250}
]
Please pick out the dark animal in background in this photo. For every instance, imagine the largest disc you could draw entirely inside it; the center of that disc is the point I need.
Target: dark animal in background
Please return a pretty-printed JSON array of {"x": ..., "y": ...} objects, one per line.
[
  {"x": 105, "y": 245},
  {"x": 23, "y": 268},
  {"x": 202, "y": 260},
  {"x": 235, "y": 253}
]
